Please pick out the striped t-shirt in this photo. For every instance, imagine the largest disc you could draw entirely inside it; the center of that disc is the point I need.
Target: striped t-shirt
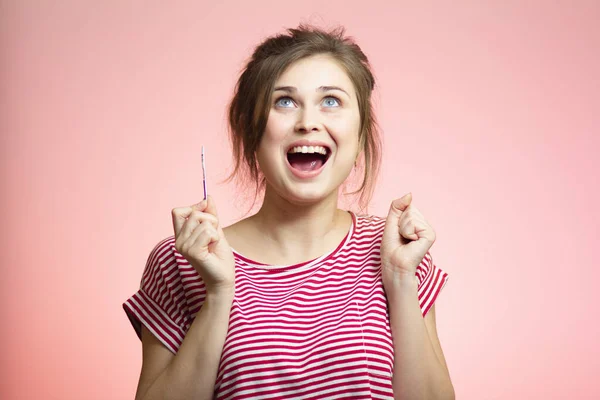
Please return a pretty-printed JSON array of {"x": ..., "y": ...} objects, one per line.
[{"x": 315, "y": 330}]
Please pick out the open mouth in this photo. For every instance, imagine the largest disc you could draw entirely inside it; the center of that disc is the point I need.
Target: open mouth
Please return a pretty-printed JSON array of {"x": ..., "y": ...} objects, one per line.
[{"x": 308, "y": 158}]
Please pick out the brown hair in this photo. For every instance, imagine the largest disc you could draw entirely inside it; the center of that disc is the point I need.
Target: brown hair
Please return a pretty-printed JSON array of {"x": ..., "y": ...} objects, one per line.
[{"x": 249, "y": 109}]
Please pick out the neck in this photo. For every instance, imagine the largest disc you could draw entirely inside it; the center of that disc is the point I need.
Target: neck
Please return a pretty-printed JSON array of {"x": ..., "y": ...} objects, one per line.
[{"x": 298, "y": 227}]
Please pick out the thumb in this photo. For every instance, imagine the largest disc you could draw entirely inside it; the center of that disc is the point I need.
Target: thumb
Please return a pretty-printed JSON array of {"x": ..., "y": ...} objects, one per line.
[
  {"x": 207, "y": 206},
  {"x": 392, "y": 223},
  {"x": 402, "y": 203},
  {"x": 211, "y": 206}
]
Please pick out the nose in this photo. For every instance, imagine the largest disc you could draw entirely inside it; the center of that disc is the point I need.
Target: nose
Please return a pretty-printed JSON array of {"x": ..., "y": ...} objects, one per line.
[{"x": 308, "y": 121}]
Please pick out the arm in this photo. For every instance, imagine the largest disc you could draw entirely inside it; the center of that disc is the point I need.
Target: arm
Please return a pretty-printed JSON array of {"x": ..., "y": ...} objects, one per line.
[
  {"x": 192, "y": 371},
  {"x": 420, "y": 370}
]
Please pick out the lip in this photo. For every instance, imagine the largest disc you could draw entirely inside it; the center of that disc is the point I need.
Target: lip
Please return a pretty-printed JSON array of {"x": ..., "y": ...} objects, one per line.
[{"x": 307, "y": 174}]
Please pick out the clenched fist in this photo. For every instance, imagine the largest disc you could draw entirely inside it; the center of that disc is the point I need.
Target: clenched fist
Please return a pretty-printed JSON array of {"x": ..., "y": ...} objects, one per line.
[{"x": 200, "y": 239}]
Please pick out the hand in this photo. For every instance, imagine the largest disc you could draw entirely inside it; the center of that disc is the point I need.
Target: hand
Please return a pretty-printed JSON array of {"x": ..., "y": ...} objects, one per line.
[
  {"x": 407, "y": 238},
  {"x": 200, "y": 239}
]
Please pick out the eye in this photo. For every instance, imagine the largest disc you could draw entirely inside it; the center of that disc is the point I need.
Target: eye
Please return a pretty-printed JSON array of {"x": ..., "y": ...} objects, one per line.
[
  {"x": 331, "y": 101},
  {"x": 285, "y": 102}
]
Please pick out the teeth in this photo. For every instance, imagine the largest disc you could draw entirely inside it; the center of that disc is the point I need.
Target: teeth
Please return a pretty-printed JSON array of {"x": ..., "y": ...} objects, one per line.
[{"x": 309, "y": 149}]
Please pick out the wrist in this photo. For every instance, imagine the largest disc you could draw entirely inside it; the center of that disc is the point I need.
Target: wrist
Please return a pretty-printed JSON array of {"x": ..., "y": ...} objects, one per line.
[
  {"x": 399, "y": 281},
  {"x": 396, "y": 275},
  {"x": 223, "y": 294}
]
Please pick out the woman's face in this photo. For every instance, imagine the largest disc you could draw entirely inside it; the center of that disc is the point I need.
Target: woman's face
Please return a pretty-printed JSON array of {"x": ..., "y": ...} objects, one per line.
[{"x": 310, "y": 142}]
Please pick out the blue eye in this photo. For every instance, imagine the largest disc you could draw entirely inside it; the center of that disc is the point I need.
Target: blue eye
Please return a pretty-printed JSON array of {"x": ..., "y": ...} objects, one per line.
[
  {"x": 331, "y": 102},
  {"x": 284, "y": 102}
]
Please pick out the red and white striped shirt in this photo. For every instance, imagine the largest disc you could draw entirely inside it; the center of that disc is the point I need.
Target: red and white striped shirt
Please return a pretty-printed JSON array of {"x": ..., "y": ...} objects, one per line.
[{"x": 315, "y": 330}]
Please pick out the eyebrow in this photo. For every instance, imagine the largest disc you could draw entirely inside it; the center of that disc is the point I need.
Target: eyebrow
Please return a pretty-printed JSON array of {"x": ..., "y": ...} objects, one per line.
[{"x": 293, "y": 89}]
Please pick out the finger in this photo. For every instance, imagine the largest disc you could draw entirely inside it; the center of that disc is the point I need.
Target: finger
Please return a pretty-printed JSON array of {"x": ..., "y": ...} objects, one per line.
[
  {"x": 195, "y": 220},
  {"x": 201, "y": 206},
  {"x": 391, "y": 232},
  {"x": 416, "y": 212},
  {"x": 204, "y": 218},
  {"x": 408, "y": 229},
  {"x": 410, "y": 213},
  {"x": 201, "y": 239},
  {"x": 205, "y": 236},
  {"x": 211, "y": 207},
  {"x": 399, "y": 208},
  {"x": 189, "y": 233},
  {"x": 181, "y": 214},
  {"x": 416, "y": 229},
  {"x": 403, "y": 202}
]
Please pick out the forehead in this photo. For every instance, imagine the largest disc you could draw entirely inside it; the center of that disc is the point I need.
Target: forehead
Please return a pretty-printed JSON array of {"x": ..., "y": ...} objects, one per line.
[{"x": 315, "y": 71}]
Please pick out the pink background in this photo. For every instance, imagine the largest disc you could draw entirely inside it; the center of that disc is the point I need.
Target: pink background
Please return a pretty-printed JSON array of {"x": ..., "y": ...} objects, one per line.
[{"x": 490, "y": 112}]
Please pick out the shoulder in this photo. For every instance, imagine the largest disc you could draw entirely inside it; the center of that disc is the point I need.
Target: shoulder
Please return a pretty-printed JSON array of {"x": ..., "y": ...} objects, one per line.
[
  {"x": 163, "y": 250},
  {"x": 368, "y": 229},
  {"x": 165, "y": 265},
  {"x": 369, "y": 224},
  {"x": 170, "y": 276},
  {"x": 370, "y": 219},
  {"x": 164, "y": 245}
]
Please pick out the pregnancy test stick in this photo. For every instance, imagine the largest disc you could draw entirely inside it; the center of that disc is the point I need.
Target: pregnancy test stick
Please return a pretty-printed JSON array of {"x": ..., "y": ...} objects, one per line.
[{"x": 204, "y": 174}]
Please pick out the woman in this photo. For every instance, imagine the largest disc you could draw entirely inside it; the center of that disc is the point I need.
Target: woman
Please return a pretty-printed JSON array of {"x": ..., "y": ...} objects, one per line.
[{"x": 302, "y": 299}]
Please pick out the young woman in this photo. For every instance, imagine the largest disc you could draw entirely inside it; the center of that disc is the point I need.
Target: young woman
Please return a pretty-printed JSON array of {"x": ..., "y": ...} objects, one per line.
[{"x": 301, "y": 300}]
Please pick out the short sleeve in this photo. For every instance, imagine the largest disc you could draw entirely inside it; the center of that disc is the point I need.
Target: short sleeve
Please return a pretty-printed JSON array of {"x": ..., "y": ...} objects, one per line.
[
  {"x": 160, "y": 303},
  {"x": 431, "y": 280}
]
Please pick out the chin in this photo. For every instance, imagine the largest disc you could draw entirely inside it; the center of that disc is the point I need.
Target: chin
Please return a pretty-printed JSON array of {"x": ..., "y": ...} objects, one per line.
[
  {"x": 312, "y": 190},
  {"x": 308, "y": 196}
]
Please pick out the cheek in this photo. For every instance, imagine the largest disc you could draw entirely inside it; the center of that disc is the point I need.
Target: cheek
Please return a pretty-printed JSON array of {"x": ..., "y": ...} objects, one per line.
[
  {"x": 345, "y": 131},
  {"x": 271, "y": 141},
  {"x": 278, "y": 125}
]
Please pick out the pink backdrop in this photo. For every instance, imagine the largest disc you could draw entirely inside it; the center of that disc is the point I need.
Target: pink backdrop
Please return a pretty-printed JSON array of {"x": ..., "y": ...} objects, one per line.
[{"x": 490, "y": 112}]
